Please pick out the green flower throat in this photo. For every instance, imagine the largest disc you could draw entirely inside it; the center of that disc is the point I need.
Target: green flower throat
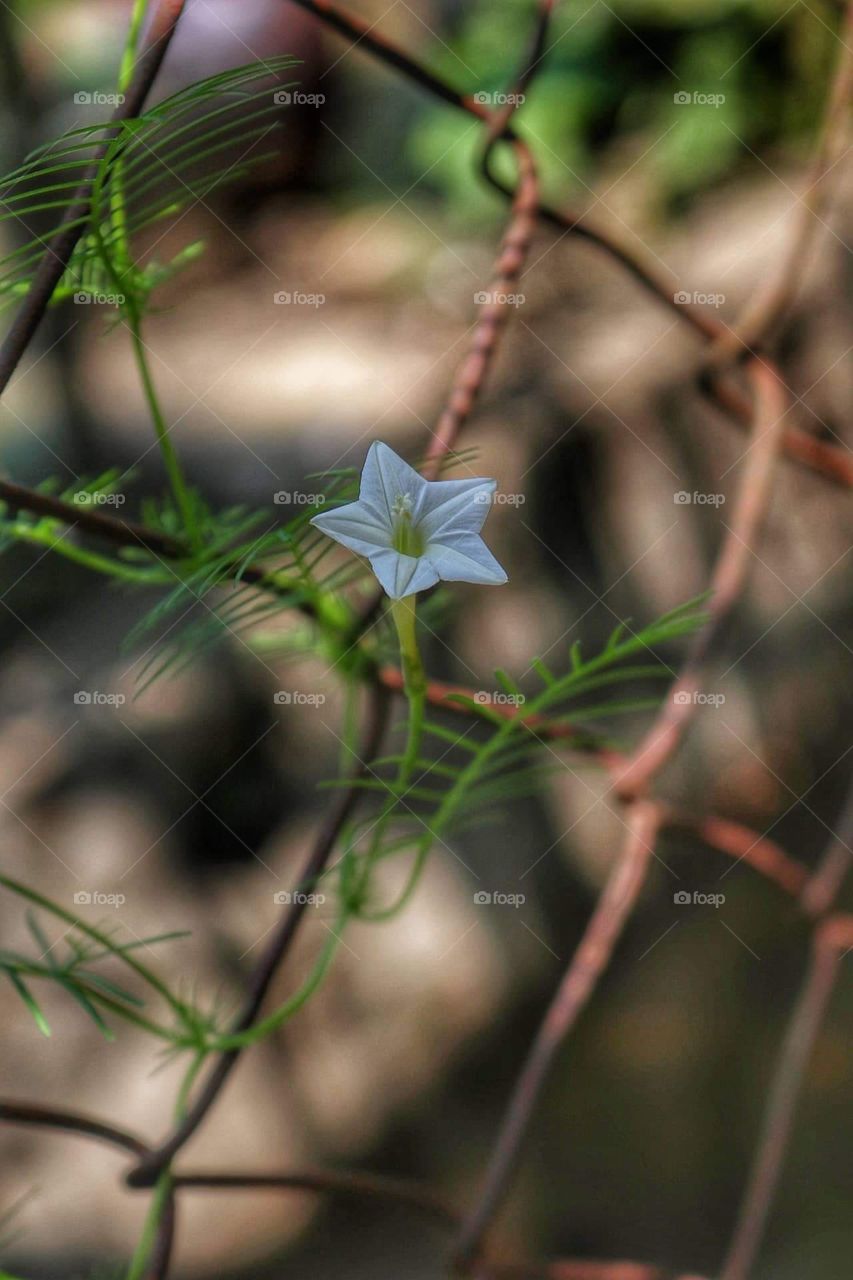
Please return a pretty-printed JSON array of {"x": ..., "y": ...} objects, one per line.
[{"x": 406, "y": 537}]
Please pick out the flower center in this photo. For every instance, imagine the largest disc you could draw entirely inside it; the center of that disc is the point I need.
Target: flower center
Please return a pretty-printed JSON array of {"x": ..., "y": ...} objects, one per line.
[{"x": 405, "y": 536}]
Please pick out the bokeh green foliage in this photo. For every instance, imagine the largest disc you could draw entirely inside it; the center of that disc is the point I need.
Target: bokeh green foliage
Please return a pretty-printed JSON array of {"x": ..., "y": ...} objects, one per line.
[{"x": 605, "y": 92}]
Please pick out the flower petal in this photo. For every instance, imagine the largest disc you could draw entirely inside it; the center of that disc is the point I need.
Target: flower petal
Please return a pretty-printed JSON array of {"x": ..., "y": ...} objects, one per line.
[
  {"x": 355, "y": 526},
  {"x": 448, "y": 515},
  {"x": 385, "y": 478},
  {"x": 451, "y": 506},
  {"x": 401, "y": 575},
  {"x": 467, "y": 559}
]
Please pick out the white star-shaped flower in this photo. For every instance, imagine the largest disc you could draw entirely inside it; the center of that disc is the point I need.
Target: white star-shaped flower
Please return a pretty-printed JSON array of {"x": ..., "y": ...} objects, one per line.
[{"x": 415, "y": 531}]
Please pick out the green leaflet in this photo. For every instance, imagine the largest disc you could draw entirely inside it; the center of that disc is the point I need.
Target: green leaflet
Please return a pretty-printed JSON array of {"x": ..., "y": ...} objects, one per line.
[
  {"x": 151, "y": 168},
  {"x": 71, "y": 968}
]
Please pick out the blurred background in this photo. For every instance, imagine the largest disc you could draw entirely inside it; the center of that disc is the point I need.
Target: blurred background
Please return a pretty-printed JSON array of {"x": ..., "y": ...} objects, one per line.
[{"x": 196, "y": 800}]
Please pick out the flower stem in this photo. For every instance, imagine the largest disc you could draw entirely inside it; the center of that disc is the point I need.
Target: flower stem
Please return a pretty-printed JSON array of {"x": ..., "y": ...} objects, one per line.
[
  {"x": 414, "y": 681},
  {"x": 156, "y": 1210},
  {"x": 181, "y": 493},
  {"x": 415, "y": 688}
]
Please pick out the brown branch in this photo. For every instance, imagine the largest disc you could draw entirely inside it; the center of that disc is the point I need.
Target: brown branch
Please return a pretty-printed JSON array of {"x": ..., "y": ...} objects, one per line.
[
  {"x": 124, "y": 533},
  {"x": 579, "y": 1270},
  {"x": 353, "y": 1184},
  {"x": 745, "y": 845},
  {"x": 587, "y": 965},
  {"x": 129, "y": 533},
  {"x": 153, "y": 1163},
  {"x": 779, "y": 1115},
  {"x": 730, "y": 572},
  {"x": 515, "y": 246},
  {"x": 345, "y": 1182},
  {"x": 763, "y": 313},
  {"x": 358, "y": 1186},
  {"x": 832, "y": 938},
  {"x": 365, "y": 36},
  {"x": 493, "y": 317},
  {"x": 31, "y": 1114},
  {"x": 825, "y": 884},
  {"x": 834, "y": 462},
  {"x": 443, "y": 696},
  {"x": 58, "y": 253},
  {"x": 27, "y": 1113},
  {"x": 643, "y": 818},
  {"x": 159, "y": 1261}
]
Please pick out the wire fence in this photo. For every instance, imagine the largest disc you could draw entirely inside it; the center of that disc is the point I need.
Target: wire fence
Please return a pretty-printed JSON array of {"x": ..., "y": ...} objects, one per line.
[{"x": 739, "y": 376}]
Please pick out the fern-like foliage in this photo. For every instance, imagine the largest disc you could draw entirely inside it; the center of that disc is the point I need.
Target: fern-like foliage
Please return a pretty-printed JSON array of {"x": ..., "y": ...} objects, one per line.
[
  {"x": 18, "y": 525},
  {"x": 75, "y": 966},
  {"x": 247, "y": 576},
  {"x": 465, "y": 775},
  {"x": 135, "y": 174}
]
